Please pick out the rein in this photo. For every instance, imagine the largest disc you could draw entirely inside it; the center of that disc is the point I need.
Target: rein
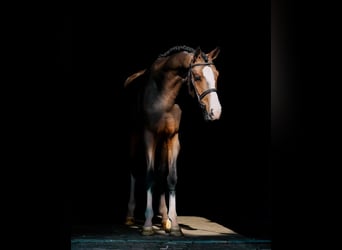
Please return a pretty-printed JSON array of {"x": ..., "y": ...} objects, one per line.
[{"x": 190, "y": 76}]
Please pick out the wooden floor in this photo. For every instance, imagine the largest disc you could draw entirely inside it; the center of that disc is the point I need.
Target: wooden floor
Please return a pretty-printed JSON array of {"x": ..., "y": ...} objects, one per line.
[{"x": 198, "y": 233}]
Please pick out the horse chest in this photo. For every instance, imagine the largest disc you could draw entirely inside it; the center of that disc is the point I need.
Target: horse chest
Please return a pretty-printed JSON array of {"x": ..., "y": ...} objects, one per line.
[{"x": 166, "y": 123}]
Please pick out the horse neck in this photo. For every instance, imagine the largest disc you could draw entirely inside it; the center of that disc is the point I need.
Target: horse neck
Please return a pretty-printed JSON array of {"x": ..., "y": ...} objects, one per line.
[
  {"x": 169, "y": 79},
  {"x": 171, "y": 87},
  {"x": 161, "y": 93}
]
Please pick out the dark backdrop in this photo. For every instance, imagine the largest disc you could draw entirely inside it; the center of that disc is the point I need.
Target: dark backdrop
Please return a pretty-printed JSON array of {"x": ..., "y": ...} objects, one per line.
[{"x": 224, "y": 171}]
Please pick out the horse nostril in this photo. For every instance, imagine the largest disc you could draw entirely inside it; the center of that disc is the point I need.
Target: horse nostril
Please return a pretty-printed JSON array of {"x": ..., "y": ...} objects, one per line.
[{"x": 215, "y": 114}]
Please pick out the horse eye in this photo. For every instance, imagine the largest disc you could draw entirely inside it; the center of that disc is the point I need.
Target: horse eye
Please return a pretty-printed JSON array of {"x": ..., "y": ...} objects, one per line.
[{"x": 197, "y": 78}]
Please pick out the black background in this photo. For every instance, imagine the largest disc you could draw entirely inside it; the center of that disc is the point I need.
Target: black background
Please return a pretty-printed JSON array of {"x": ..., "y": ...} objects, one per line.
[{"x": 224, "y": 167}]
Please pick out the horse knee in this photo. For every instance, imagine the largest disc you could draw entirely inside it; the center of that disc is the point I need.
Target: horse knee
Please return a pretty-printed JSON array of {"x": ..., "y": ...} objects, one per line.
[{"x": 171, "y": 182}]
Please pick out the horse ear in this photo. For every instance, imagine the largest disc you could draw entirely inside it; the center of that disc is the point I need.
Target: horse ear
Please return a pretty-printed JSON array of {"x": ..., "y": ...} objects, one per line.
[
  {"x": 197, "y": 52},
  {"x": 214, "y": 53}
]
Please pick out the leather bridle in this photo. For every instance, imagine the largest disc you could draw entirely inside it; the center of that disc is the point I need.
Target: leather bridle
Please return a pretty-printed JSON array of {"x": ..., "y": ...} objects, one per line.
[{"x": 200, "y": 96}]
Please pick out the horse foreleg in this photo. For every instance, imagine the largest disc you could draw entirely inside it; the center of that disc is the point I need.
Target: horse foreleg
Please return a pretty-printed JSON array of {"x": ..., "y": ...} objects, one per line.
[
  {"x": 166, "y": 223},
  {"x": 173, "y": 151},
  {"x": 150, "y": 153},
  {"x": 162, "y": 173}
]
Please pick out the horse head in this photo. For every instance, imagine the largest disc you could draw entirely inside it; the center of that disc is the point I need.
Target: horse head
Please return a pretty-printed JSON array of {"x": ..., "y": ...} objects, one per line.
[{"x": 202, "y": 80}]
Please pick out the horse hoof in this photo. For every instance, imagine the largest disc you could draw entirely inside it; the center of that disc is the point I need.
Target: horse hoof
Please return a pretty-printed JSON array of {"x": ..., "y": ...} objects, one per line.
[
  {"x": 167, "y": 225},
  {"x": 176, "y": 231},
  {"x": 147, "y": 231},
  {"x": 129, "y": 221}
]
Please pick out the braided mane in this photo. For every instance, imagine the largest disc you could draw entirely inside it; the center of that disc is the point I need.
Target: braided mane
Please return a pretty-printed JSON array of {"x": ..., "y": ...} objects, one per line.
[{"x": 177, "y": 49}]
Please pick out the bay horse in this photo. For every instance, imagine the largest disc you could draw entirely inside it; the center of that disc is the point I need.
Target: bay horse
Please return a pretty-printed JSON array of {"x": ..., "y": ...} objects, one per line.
[{"x": 155, "y": 117}]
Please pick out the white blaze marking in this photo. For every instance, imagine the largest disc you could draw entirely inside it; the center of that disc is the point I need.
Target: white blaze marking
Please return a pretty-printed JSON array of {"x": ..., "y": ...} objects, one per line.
[{"x": 214, "y": 103}]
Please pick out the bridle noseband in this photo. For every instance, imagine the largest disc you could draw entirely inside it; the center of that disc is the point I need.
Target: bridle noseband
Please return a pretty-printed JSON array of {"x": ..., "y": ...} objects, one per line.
[{"x": 191, "y": 82}]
